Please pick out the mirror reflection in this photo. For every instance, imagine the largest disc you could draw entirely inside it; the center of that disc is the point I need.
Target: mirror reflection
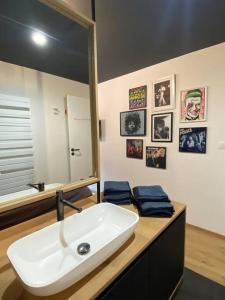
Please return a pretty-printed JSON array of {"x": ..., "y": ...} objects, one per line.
[{"x": 45, "y": 117}]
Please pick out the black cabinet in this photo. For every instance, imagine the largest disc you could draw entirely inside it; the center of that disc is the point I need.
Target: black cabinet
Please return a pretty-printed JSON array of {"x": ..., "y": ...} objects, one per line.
[
  {"x": 166, "y": 260},
  {"x": 156, "y": 272},
  {"x": 132, "y": 284}
]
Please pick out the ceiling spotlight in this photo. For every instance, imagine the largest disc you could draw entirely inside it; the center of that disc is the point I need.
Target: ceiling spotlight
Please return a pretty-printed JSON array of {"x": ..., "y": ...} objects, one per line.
[{"x": 39, "y": 38}]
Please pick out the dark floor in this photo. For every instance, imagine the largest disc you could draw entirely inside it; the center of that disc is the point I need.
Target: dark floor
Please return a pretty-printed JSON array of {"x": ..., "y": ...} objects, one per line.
[{"x": 197, "y": 287}]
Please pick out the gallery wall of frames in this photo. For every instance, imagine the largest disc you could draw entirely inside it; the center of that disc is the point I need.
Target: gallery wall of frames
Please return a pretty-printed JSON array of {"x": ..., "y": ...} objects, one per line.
[
  {"x": 185, "y": 147},
  {"x": 192, "y": 105}
]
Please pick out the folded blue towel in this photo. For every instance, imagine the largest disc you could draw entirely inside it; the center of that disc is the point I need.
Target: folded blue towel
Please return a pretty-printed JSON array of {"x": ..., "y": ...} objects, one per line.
[
  {"x": 141, "y": 201},
  {"x": 152, "y": 200},
  {"x": 157, "y": 209},
  {"x": 119, "y": 196},
  {"x": 118, "y": 202},
  {"x": 150, "y": 193},
  {"x": 116, "y": 187}
]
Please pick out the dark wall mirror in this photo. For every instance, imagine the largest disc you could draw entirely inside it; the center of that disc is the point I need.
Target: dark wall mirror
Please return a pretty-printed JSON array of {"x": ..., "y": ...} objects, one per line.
[{"x": 48, "y": 110}]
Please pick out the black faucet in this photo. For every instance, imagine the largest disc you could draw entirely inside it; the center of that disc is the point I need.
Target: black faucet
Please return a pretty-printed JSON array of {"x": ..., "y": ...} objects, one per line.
[
  {"x": 38, "y": 186},
  {"x": 60, "y": 205}
]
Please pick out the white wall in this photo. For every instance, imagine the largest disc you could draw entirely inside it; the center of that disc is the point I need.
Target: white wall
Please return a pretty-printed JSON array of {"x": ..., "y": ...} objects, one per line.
[
  {"x": 195, "y": 179},
  {"x": 49, "y": 130}
]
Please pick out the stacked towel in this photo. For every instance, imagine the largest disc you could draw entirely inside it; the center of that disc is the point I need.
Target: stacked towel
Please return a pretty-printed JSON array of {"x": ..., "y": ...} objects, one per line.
[
  {"x": 117, "y": 192},
  {"x": 152, "y": 201},
  {"x": 156, "y": 209},
  {"x": 150, "y": 193}
]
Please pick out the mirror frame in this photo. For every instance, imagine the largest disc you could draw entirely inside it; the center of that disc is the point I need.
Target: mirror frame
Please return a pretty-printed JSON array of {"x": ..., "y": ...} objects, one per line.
[{"x": 67, "y": 11}]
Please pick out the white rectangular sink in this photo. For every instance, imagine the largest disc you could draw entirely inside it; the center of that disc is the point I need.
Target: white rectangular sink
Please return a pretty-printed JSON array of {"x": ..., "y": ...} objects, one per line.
[{"x": 47, "y": 260}]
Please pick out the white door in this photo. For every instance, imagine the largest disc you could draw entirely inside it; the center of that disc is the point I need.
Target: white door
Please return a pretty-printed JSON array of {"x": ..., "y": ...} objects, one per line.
[{"x": 79, "y": 134}]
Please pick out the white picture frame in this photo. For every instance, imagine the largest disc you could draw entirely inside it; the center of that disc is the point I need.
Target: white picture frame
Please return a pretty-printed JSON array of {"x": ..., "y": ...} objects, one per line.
[
  {"x": 163, "y": 94},
  {"x": 193, "y": 105}
]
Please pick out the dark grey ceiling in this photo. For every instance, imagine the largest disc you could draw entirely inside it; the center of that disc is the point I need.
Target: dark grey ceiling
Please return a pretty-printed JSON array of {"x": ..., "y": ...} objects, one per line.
[
  {"x": 133, "y": 34},
  {"x": 66, "y": 53}
]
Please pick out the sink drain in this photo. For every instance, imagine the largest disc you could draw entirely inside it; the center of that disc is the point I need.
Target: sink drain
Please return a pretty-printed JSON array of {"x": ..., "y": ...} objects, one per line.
[{"x": 83, "y": 248}]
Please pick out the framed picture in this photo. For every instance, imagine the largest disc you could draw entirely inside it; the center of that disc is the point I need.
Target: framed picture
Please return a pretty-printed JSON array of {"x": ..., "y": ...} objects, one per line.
[
  {"x": 164, "y": 93},
  {"x": 133, "y": 123},
  {"x": 138, "y": 97},
  {"x": 193, "y": 105},
  {"x": 162, "y": 127},
  {"x": 156, "y": 157},
  {"x": 193, "y": 139},
  {"x": 135, "y": 149}
]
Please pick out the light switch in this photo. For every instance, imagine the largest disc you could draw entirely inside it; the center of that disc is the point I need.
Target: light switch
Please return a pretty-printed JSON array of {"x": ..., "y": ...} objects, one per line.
[{"x": 221, "y": 145}]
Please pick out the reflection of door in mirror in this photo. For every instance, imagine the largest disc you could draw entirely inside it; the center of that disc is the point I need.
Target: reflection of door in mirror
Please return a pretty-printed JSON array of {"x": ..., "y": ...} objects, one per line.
[{"x": 79, "y": 135}]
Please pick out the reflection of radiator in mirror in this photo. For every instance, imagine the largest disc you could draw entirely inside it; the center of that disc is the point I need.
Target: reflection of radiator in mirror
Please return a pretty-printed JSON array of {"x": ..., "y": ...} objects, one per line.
[{"x": 16, "y": 144}]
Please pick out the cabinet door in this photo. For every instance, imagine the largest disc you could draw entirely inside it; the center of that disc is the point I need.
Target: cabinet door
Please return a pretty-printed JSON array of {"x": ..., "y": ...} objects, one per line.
[
  {"x": 156, "y": 272},
  {"x": 132, "y": 284},
  {"x": 166, "y": 260}
]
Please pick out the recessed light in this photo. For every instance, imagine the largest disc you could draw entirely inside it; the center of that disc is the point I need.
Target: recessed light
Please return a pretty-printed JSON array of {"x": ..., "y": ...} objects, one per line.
[{"x": 39, "y": 38}]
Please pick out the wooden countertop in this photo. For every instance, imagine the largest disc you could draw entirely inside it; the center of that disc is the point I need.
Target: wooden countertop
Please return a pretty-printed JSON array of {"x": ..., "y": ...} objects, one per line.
[{"x": 93, "y": 284}]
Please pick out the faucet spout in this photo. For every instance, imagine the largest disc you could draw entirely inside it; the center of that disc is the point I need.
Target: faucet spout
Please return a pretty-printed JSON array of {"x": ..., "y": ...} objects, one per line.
[
  {"x": 60, "y": 201},
  {"x": 38, "y": 186}
]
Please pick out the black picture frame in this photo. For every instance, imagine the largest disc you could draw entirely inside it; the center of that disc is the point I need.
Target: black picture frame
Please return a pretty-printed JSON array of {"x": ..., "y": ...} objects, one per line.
[
  {"x": 193, "y": 140},
  {"x": 133, "y": 123},
  {"x": 156, "y": 157},
  {"x": 162, "y": 127},
  {"x": 133, "y": 148}
]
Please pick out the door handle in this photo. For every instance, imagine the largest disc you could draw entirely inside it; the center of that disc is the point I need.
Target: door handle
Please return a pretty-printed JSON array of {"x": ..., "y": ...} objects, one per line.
[{"x": 73, "y": 150}]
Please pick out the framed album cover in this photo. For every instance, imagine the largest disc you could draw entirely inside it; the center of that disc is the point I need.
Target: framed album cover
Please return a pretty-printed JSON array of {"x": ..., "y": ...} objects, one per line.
[
  {"x": 162, "y": 127},
  {"x": 193, "y": 105},
  {"x": 133, "y": 123},
  {"x": 156, "y": 157},
  {"x": 138, "y": 97},
  {"x": 135, "y": 148},
  {"x": 163, "y": 91},
  {"x": 193, "y": 139}
]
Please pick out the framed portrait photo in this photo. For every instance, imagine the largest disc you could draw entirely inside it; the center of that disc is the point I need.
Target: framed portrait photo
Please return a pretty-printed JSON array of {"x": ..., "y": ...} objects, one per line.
[
  {"x": 138, "y": 97},
  {"x": 163, "y": 92},
  {"x": 135, "y": 149},
  {"x": 193, "y": 105},
  {"x": 156, "y": 157},
  {"x": 162, "y": 127},
  {"x": 193, "y": 139},
  {"x": 133, "y": 123}
]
